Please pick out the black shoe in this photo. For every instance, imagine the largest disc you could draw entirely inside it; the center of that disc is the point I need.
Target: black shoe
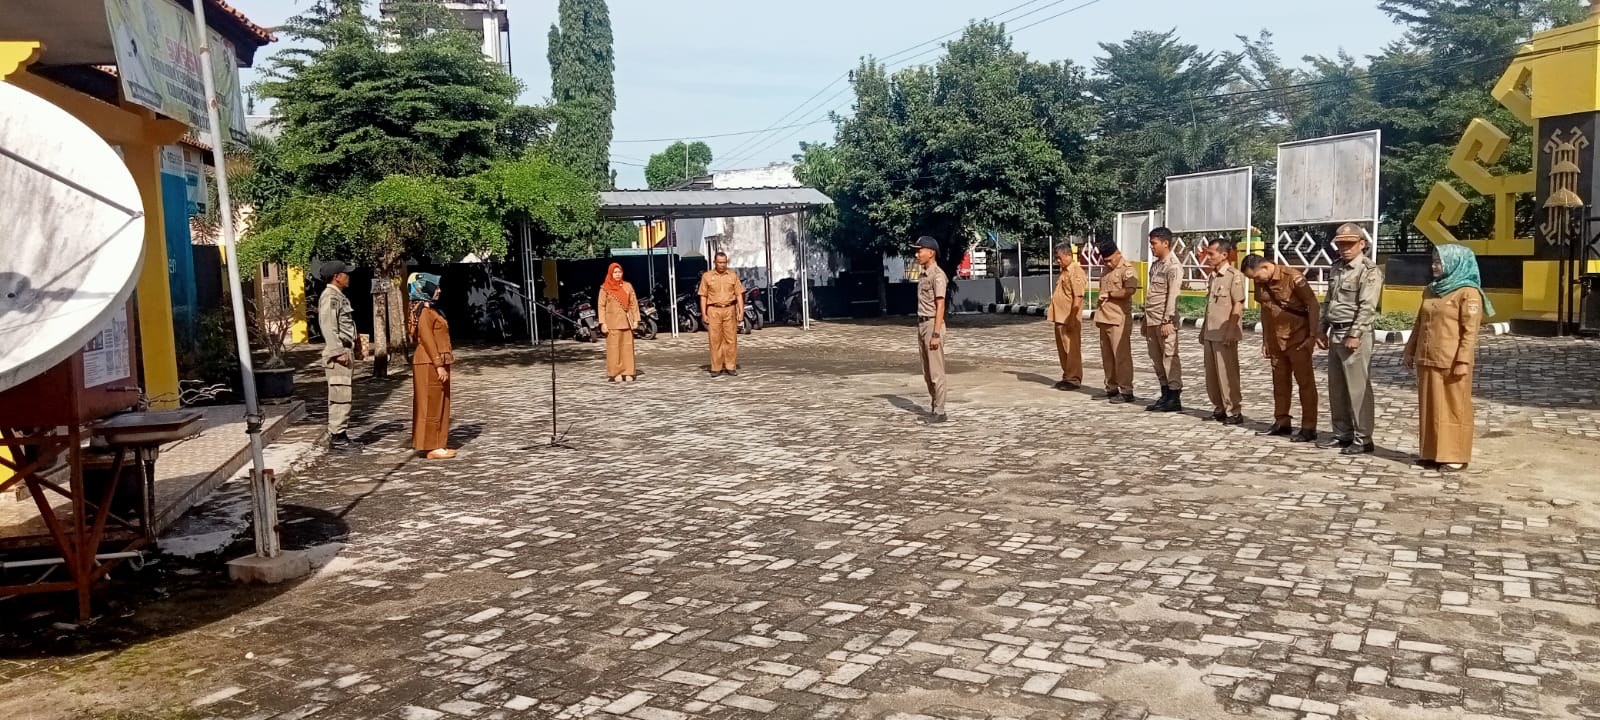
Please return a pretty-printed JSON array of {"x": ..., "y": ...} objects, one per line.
[
  {"x": 1160, "y": 404},
  {"x": 1354, "y": 449},
  {"x": 1065, "y": 385},
  {"x": 716, "y": 373},
  {"x": 734, "y": 373},
  {"x": 1277, "y": 429},
  {"x": 937, "y": 418},
  {"x": 342, "y": 443},
  {"x": 1334, "y": 442},
  {"x": 1110, "y": 395},
  {"x": 1128, "y": 398},
  {"x": 1174, "y": 402},
  {"x": 1235, "y": 420},
  {"x": 1304, "y": 436},
  {"x": 1218, "y": 416}
]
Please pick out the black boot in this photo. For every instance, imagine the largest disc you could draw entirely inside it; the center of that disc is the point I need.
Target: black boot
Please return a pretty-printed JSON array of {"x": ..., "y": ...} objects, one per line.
[
  {"x": 1174, "y": 402},
  {"x": 342, "y": 443},
  {"x": 1161, "y": 404}
]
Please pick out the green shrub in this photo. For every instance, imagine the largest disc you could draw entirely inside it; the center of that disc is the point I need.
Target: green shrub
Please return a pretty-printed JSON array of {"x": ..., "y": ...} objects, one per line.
[
  {"x": 1252, "y": 316},
  {"x": 1191, "y": 306},
  {"x": 1397, "y": 320}
]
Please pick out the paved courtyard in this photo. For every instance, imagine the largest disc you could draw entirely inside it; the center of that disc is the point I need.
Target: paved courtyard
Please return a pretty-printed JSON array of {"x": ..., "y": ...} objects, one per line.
[{"x": 795, "y": 543}]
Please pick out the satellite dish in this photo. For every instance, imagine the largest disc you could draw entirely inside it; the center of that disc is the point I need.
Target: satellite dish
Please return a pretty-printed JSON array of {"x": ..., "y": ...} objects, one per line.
[{"x": 72, "y": 232}]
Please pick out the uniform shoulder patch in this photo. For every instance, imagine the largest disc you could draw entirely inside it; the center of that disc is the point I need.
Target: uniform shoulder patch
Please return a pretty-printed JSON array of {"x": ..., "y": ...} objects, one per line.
[{"x": 1300, "y": 281}]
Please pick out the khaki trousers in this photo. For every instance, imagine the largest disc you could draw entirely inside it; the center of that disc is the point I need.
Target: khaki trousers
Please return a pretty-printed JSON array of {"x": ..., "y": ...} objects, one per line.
[
  {"x": 619, "y": 353},
  {"x": 1069, "y": 348},
  {"x": 932, "y": 364},
  {"x": 1288, "y": 371},
  {"x": 1350, "y": 389},
  {"x": 722, "y": 324},
  {"x": 1116, "y": 357},
  {"x": 341, "y": 379},
  {"x": 1222, "y": 376},
  {"x": 1164, "y": 356},
  {"x": 1445, "y": 404}
]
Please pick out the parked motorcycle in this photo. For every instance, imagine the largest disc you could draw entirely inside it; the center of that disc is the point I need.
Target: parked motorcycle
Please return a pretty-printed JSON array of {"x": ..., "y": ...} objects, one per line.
[
  {"x": 649, "y": 320},
  {"x": 587, "y": 321},
  {"x": 689, "y": 319},
  {"x": 755, "y": 308},
  {"x": 786, "y": 293}
]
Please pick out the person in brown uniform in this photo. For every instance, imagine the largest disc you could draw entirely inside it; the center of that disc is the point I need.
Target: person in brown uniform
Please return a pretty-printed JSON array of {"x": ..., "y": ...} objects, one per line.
[
  {"x": 932, "y": 291},
  {"x": 430, "y": 370},
  {"x": 1113, "y": 316},
  {"x": 1161, "y": 320},
  {"x": 619, "y": 315},
  {"x": 1289, "y": 312},
  {"x": 1066, "y": 316},
  {"x": 722, "y": 304},
  {"x": 1442, "y": 347},
  {"x": 1222, "y": 332},
  {"x": 1354, "y": 287}
]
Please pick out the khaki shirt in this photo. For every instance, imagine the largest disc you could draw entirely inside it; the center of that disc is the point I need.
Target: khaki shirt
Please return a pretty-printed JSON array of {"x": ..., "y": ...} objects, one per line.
[
  {"x": 933, "y": 284},
  {"x": 1289, "y": 310},
  {"x": 1224, "y": 297},
  {"x": 1069, "y": 291},
  {"x": 337, "y": 321},
  {"x": 721, "y": 289},
  {"x": 1116, "y": 295},
  {"x": 616, "y": 314},
  {"x": 1161, "y": 299},
  {"x": 1353, "y": 293},
  {"x": 1446, "y": 331}
]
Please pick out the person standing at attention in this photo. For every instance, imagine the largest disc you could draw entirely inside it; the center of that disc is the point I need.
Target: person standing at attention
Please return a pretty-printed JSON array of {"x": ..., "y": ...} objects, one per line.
[
  {"x": 1161, "y": 320},
  {"x": 337, "y": 321},
  {"x": 619, "y": 315},
  {"x": 932, "y": 290},
  {"x": 722, "y": 304},
  {"x": 430, "y": 369},
  {"x": 1442, "y": 350},
  {"x": 1354, "y": 287},
  {"x": 1223, "y": 330},
  {"x": 1289, "y": 312},
  {"x": 1113, "y": 316},
  {"x": 1066, "y": 315}
]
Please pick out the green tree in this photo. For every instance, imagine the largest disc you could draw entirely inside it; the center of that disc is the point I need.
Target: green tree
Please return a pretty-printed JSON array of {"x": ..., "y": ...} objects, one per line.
[
  {"x": 581, "y": 67},
  {"x": 384, "y": 129},
  {"x": 680, "y": 161},
  {"x": 984, "y": 139}
]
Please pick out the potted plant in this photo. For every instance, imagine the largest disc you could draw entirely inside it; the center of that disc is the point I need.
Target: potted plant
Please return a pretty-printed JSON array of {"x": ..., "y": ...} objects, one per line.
[{"x": 274, "y": 377}]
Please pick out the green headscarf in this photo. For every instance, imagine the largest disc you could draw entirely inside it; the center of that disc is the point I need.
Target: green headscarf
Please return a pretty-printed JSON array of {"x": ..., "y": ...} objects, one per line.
[{"x": 1460, "y": 267}]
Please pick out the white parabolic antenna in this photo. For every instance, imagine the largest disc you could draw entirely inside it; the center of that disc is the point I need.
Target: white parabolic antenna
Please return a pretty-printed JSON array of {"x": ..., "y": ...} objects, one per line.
[{"x": 73, "y": 235}]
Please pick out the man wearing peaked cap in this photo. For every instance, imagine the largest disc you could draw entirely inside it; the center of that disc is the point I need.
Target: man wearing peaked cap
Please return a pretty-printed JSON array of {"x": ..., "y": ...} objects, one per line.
[
  {"x": 1354, "y": 287},
  {"x": 1113, "y": 316},
  {"x": 932, "y": 291},
  {"x": 337, "y": 321}
]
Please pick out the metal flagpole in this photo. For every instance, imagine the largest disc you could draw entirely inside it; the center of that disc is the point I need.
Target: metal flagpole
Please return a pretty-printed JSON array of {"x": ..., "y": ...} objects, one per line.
[
  {"x": 672, "y": 270},
  {"x": 771, "y": 307},
  {"x": 263, "y": 494}
]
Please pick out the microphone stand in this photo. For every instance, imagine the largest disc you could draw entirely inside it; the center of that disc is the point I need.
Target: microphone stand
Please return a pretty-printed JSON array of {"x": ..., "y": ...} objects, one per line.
[{"x": 557, "y": 438}]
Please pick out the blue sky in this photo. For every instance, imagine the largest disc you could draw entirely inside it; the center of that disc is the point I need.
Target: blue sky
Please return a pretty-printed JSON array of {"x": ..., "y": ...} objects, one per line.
[{"x": 704, "y": 67}]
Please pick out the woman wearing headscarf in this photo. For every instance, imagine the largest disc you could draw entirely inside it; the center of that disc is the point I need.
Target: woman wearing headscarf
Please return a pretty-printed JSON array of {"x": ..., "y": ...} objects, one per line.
[
  {"x": 430, "y": 369},
  {"x": 1442, "y": 347},
  {"x": 619, "y": 315}
]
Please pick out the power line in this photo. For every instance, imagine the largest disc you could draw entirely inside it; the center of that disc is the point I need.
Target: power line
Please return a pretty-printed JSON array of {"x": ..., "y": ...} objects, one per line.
[
  {"x": 708, "y": 137},
  {"x": 733, "y": 152},
  {"x": 758, "y": 151}
]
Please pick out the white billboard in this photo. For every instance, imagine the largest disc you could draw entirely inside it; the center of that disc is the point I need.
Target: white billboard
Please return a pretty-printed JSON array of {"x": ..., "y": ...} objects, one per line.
[{"x": 1216, "y": 201}]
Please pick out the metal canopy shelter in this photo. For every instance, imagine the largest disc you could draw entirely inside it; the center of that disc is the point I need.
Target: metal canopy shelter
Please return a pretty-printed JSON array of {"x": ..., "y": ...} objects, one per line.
[{"x": 671, "y": 205}]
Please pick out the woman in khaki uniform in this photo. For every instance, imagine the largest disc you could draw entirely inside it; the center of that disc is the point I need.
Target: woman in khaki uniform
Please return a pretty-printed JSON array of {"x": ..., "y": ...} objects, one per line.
[
  {"x": 1443, "y": 343},
  {"x": 619, "y": 315},
  {"x": 430, "y": 370}
]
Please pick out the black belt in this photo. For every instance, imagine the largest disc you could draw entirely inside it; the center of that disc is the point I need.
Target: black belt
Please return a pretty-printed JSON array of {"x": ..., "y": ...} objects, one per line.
[
  {"x": 1340, "y": 326},
  {"x": 723, "y": 305},
  {"x": 926, "y": 318}
]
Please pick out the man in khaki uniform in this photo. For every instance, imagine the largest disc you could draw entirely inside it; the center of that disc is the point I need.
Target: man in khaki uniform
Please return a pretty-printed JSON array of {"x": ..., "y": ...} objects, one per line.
[
  {"x": 1289, "y": 312},
  {"x": 1113, "y": 316},
  {"x": 1354, "y": 287},
  {"x": 722, "y": 304},
  {"x": 932, "y": 291},
  {"x": 337, "y": 321},
  {"x": 1066, "y": 316},
  {"x": 1161, "y": 320},
  {"x": 1222, "y": 332}
]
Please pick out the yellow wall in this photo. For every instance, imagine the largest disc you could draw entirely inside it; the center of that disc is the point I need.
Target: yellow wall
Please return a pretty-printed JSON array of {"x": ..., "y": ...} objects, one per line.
[
  {"x": 1408, "y": 298},
  {"x": 299, "y": 332}
]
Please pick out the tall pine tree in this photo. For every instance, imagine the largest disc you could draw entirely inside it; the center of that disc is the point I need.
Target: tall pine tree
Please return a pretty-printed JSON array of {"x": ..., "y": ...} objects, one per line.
[{"x": 581, "y": 65}]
